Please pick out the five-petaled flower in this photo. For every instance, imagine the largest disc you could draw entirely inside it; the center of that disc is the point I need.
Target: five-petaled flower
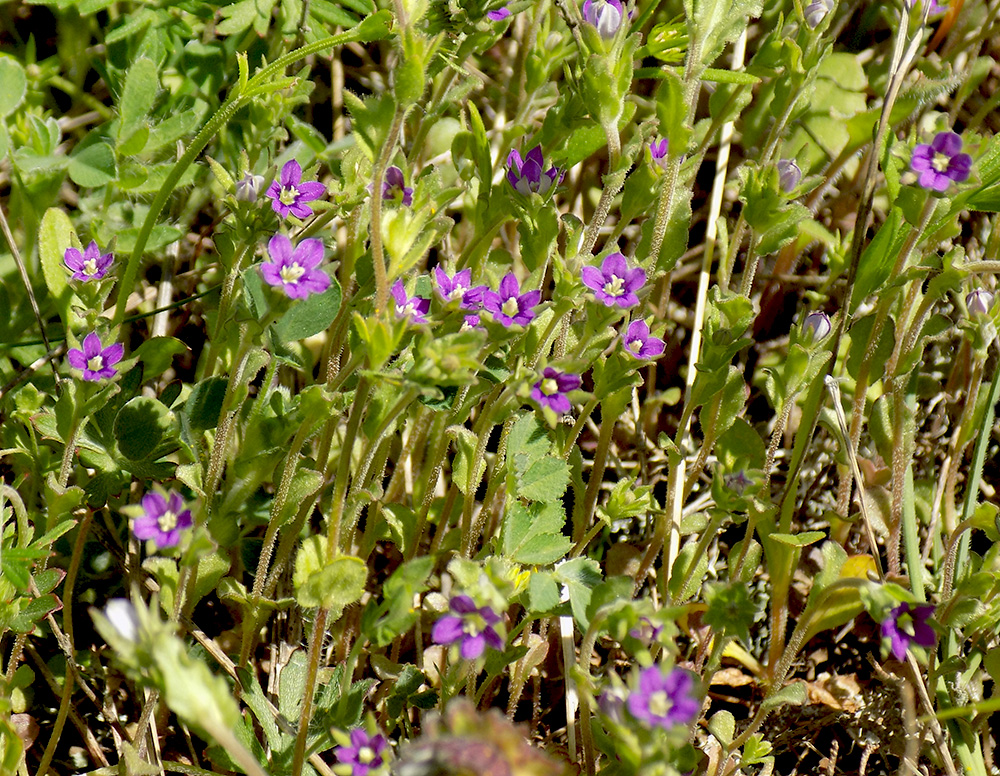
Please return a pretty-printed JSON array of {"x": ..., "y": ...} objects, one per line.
[
  {"x": 364, "y": 754},
  {"x": 615, "y": 283},
  {"x": 551, "y": 390},
  {"x": 413, "y": 307},
  {"x": 471, "y": 626},
  {"x": 499, "y": 14},
  {"x": 664, "y": 700},
  {"x": 508, "y": 305},
  {"x": 659, "y": 152},
  {"x": 297, "y": 271},
  {"x": 289, "y": 193},
  {"x": 639, "y": 343},
  {"x": 96, "y": 362},
  {"x": 459, "y": 287},
  {"x": 940, "y": 163},
  {"x": 526, "y": 175},
  {"x": 605, "y": 15},
  {"x": 907, "y": 624},
  {"x": 164, "y": 519},
  {"x": 89, "y": 265},
  {"x": 394, "y": 187}
]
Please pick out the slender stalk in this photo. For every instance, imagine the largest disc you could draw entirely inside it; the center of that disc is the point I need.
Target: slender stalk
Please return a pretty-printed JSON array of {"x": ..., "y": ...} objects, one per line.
[{"x": 378, "y": 256}]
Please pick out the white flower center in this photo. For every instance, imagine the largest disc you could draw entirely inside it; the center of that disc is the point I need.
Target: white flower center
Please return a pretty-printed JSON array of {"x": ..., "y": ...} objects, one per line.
[
  {"x": 635, "y": 345},
  {"x": 457, "y": 291},
  {"x": 615, "y": 286},
  {"x": 288, "y": 196},
  {"x": 659, "y": 704},
  {"x": 940, "y": 162},
  {"x": 90, "y": 267},
  {"x": 167, "y": 521},
  {"x": 96, "y": 364},
  {"x": 365, "y": 755},
  {"x": 473, "y": 624},
  {"x": 510, "y": 307},
  {"x": 403, "y": 310},
  {"x": 550, "y": 386},
  {"x": 291, "y": 273}
]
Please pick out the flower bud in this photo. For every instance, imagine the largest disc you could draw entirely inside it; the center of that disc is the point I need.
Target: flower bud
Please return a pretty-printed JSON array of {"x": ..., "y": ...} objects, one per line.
[
  {"x": 248, "y": 188},
  {"x": 979, "y": 302},
  {"x": 605, "y": 15},
  {"x": 789, "y": 175},
  {"x": 659, "y": 152},
  {"x": 817, "y": 326},
  {"x": 121, "y": 614},
  {"x": 816, "y": 12}
]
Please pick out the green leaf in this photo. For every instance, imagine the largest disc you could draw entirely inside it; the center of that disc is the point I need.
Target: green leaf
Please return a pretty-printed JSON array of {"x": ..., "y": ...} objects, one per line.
[
  {"x": 581, "y": 576},
  {"x": 543, "y": 592},
  {"x": 793, "y": 694},
  {"x": 803, "y": 539},
  {"x": 730, "y": 609},
  {"x": 722, "y": 725},
  {"x": 332, "y": 585},
  {"x": 55, "y": 235},
  {"x": 543, "y": 480},
  {"x": 465, "y": 452},
  {"x": 141, "y": 426},
  {"x": 142, "y": 83},
  {"x": 533, "y": 535},
  {"x": 157, "y": 354},
  {"x": 204, "y": 406},
  {"x": 27, "y": 618},
  {"x": 528, "y": 439},
  {"x": 93, "y": 165},
  {"x": 878, "y": 258},
  {"x": 13, "y": 85},
  {"x": 238, "y": 17},
  {"x": 310, "y": 316}
]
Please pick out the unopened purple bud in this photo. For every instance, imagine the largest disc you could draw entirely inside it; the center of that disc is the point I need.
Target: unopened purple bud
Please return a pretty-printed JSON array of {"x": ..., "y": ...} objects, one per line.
[
  {"x": 817, "y": 326},
  {"x": 816, "y": 12},
  {"x": 979, "y": 302},
  {"x": 605, "y": 15},
  {"x": 248, "y": 188},
  {"x": 659, "y": 151},
  {"x": 789, "y": 175}
]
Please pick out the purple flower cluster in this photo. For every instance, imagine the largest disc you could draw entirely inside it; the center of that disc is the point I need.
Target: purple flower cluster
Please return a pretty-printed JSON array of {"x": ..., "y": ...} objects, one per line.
[
  {"x": 664, "y": 700},
  {"x": 89, "y": 265},
  {"x": 296, "y": 272},
  {"x": 364, "y": 754},
  {"x": 941, "y": 163},
  {"x": 96, "y": 362},
  {"x": 289, "y": 193},
  {"x": 471, "y": 627},
  {"x": 907, "y": 624},
  {"x": 551, "y": 390},
  {"x": 164, "y": 519}
]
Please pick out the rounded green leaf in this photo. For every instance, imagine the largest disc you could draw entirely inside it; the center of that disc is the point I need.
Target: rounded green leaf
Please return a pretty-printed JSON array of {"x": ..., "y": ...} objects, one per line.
[
  {"x": 93, "y": 166},
  {"x": 140, "y": 426},
  {"x": 13, "y": 85}
]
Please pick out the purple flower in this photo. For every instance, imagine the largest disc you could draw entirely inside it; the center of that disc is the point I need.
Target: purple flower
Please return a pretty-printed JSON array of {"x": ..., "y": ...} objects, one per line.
[
  {"x": 163, "y": 521},
  {"x": 551, "y": 390},
  {"x": 979, "y": 302},
  {"x": 365, "y": 752},
  {"x": 394, "y": 187},
  {"x": 658, "y": 151},
  {"x": 664, "y": 700},
  {"x": 248, "y": 189},
  {"x": 906, "y": 625},
  {"x": 638, "y": 342},
  {"x": 499, "y": 14},
  {"x": 817, "y": 326},
  {"x": 89, "y": 265},
  {"x": 471, "y": 322},
  {"x": 614, "y": 283},
  {"x": 471, "y": 626},
  {"x": 508, "y": 305},
  {"x": 296, "y": 272},
  {"x": 414, "y": 307},
  {"x": 605, "y": 15},
  {"x": 789, "y": 175},
  {"x": 526, "y": 175},
  {"x": 456, "y": 287},
  {"x": 940, "y": 163},
  {"x": 646, "y": 630},
  {"x": 290, "y": 193},
  {"x": 97, "y": 363}
]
